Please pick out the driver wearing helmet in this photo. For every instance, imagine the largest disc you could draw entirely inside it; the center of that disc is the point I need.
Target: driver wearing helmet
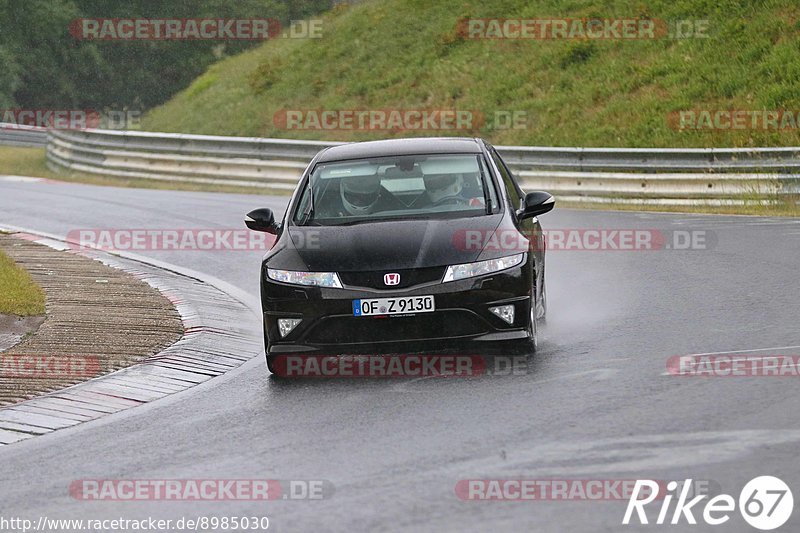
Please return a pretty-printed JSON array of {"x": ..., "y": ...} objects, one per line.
[
  {"x": 364, "y": 195},
  {"x": 443, "y": 189}
]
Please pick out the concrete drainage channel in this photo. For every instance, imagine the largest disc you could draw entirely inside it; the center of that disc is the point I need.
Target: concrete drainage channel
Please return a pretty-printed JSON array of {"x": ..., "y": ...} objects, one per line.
[{"x": 222, "y": 332}]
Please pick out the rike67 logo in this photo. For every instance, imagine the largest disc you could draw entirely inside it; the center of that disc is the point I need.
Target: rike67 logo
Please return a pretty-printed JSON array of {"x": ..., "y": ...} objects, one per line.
[{"x": 766, "y": 503}]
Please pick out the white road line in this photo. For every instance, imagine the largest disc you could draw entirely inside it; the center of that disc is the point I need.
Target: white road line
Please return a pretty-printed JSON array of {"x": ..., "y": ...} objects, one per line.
[{"x": 744, "y": 351}]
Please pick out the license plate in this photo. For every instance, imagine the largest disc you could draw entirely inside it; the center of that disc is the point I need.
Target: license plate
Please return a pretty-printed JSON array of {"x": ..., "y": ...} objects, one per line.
[{"x": 393, "y": 306}]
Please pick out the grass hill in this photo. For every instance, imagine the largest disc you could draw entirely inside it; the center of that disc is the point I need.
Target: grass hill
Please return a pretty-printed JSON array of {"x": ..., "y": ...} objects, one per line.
[{"x": 410, "y": 54}]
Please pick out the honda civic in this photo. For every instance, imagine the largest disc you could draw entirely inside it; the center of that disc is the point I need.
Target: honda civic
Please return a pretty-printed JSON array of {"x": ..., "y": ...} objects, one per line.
[{"x": 404, "y": 246}]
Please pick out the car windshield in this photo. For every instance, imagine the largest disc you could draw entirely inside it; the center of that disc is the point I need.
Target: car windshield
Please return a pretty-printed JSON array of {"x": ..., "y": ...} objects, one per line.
[{"x": 407, "y": 186}]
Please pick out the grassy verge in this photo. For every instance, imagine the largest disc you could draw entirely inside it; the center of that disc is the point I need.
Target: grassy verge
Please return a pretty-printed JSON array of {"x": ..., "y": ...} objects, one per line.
[
  {"x": 19, "y": 294},
  {"x": 32, "y": 162},
  {"x": 410, "y": 54}
]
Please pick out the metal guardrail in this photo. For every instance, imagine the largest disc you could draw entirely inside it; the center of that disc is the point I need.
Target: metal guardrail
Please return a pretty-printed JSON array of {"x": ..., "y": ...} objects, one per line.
[
  {"x": 785, "y": 160},
  {"x": 18, "y": 135},
  {"x": 661, "y": 176},
  {"x": 245, "y": 161}
]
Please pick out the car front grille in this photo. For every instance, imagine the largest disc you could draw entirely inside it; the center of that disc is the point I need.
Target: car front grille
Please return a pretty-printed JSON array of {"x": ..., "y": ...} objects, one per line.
[
  {"x": 408, "y": 278},
  {"x": 446, "y": 324}
]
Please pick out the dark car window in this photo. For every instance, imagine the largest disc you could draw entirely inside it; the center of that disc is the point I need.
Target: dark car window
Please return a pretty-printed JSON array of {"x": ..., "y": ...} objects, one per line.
[
  {"x": 514, "y": 192},
  {"x": 406, "y": 186}
]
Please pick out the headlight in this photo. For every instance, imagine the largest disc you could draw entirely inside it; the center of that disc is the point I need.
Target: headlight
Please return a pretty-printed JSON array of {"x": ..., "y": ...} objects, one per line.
[
  {"x": 317, "y": 279},
  {"x": 470, "y": 270}
]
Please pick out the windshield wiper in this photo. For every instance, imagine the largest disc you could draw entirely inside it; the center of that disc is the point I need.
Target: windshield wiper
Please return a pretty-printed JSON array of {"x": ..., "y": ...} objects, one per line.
[{"x": 355, "y": 222}]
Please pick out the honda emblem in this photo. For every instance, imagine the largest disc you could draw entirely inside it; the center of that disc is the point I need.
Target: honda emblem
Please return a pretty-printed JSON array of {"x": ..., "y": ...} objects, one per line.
[{"x": 391, "y": 279}]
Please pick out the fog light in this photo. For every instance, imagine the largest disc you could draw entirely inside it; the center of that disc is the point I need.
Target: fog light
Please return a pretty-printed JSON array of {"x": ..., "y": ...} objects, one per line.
[
  {"x": 286, "y": 325},
  {"x": 505, "y": 312}
]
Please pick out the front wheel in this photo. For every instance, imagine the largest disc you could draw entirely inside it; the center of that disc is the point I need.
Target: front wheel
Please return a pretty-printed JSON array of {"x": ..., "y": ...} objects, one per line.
[
  {"x": 542, "y": 314},
  {"x": 533, "y": 329}
]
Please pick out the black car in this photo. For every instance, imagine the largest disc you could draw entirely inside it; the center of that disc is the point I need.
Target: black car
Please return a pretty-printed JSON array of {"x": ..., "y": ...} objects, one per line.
[{"x": 403, "y": 246}]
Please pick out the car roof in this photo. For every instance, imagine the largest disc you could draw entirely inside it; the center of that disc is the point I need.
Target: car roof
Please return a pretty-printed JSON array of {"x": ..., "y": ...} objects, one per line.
[{"x": 425, "y": 145}]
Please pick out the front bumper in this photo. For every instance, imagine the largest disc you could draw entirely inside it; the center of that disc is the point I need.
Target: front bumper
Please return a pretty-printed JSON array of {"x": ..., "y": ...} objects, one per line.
[{"x": 462, "y": 320}]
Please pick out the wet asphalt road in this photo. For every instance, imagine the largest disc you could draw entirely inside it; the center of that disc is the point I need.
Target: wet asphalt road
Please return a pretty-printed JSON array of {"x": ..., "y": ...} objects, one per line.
[{"x": 594, "y": 404}]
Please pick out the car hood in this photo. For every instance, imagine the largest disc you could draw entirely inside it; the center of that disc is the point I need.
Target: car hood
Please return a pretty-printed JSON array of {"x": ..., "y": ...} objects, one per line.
[{"x": 395, "y": 244}]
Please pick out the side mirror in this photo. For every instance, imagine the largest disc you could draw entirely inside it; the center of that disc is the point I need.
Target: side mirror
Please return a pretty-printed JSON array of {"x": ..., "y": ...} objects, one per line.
[
  {"x": 536, "y": 203},
  {"x": 262, "y": 220}
]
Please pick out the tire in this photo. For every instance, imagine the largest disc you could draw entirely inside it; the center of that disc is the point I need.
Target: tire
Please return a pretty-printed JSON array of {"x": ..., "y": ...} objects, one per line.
[
  {"x": 543, "y": 307},
  {"x": 533, "y": 329}
]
